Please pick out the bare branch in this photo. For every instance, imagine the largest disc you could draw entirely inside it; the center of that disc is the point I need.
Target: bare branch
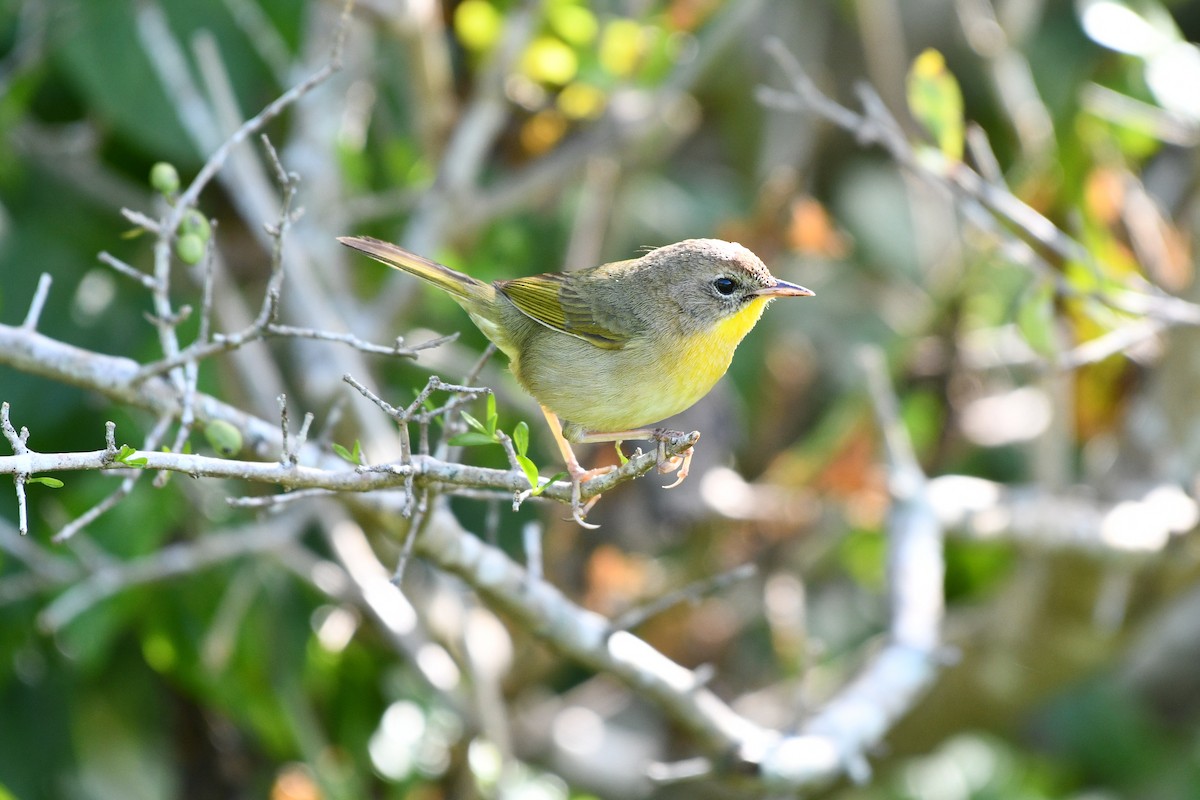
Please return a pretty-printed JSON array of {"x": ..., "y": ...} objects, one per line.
[
  {"x": 837, "y": 738},
  {"x": 116, "y": 378},
  {"x": 586, "y": 636}
]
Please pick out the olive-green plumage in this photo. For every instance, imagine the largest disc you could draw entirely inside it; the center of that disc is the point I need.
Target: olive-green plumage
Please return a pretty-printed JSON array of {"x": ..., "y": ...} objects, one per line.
[{"x": 614, "y": 348}]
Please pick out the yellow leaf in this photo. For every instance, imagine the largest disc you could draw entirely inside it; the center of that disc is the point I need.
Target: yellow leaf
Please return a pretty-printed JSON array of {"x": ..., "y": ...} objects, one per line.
[
  {"x": 621, "y": 47},
  {"x": 550, "y": 60},
  {"x": 477, "y": 23},
  {"x": 581, "y": 101},
  {"x": 936, "y": 101}
]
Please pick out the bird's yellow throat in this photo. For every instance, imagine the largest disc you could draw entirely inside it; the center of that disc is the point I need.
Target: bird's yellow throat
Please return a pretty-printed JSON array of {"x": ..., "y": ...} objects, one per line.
[{"x": 702, "y": 358}]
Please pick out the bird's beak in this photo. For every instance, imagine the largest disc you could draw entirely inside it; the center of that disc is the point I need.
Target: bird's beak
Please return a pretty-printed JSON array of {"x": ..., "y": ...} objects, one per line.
[{"x": 785, "y": 289}]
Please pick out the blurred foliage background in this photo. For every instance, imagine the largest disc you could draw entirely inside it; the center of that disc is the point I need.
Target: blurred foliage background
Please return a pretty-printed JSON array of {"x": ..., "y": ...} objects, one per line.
[{"x": 608, "y": 127}]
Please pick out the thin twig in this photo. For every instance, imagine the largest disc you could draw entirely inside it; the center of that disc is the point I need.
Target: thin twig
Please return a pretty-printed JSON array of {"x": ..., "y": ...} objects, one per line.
[
  {"x": 691, "y": 593},
  {"x": 88, "y": 517},
  {"x": 266, "y": 323},
  {"x": 452, "y": 420},
  {"x": 273, "y": 500},
  {"x": 143, "y": 221},
  {"x": 20, "y": 476},
  {"x": 147, "y": 281},
  {"x": 37, "y": 303},
  {"x": 287, "y": 455},
  {"x": 404, "y": 415},
  {"x": 418, "y": 518},
  {"x": 227, "y": 342}
]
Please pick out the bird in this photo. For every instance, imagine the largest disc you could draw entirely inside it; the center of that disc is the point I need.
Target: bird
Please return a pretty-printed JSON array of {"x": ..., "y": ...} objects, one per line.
[{"x": 610, "y": 350}]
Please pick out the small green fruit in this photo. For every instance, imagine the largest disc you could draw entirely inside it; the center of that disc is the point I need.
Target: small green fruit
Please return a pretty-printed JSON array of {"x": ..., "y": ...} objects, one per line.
[
  {"x": 223, "y": 437},
  {"x": 197, "y": 223},
  {"x": 164, "y": 178},
  {"x": 190, "y": 248}
]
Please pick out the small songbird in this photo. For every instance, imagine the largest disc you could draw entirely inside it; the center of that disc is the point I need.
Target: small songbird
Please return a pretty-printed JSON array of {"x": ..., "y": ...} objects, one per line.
[{"x": 613, "y": 349}]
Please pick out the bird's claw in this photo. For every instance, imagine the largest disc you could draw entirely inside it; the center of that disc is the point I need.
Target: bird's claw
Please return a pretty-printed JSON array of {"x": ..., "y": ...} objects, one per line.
[
  {"x": 680, "y": 464},
  {"x": 580, "y": 509}
]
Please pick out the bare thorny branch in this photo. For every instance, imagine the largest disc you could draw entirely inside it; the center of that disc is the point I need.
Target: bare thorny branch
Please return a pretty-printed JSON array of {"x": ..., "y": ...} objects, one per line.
[{"x": 169, "y": 388}]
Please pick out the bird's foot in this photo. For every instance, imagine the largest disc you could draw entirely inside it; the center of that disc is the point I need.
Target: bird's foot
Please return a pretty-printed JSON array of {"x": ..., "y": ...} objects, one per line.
[
  {"x": 679, "y": 464},
  {"x": 579, "y": 475}
]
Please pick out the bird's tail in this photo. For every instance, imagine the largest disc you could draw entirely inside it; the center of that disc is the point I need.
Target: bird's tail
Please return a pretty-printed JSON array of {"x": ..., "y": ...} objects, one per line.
[{"x": 468, "y": 291}]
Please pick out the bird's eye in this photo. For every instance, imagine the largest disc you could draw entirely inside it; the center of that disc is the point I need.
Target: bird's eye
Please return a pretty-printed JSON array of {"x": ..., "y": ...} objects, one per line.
[{"x": 724, "y": 285}]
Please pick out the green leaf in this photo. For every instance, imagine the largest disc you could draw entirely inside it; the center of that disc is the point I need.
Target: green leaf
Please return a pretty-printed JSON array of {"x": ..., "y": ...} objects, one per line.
[
  {"x": 492, "y": 417},
  {"x": 126, "y": 456},
  {"x": 520, "y": 437},
  {"x": 353, "y": 456},
  {"x": 531, "y": 470},
  {"x": 558, "y": 476},
  {"x": 474, "y": 423},
  {"x": 46, "y": 480},
  {"x": 936, "y": 101},
  {"x": 471, "y": 438}
]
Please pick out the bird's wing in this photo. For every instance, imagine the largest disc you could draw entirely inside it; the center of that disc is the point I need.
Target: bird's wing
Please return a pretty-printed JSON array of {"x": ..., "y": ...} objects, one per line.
[{"x": 553, "y": 300}]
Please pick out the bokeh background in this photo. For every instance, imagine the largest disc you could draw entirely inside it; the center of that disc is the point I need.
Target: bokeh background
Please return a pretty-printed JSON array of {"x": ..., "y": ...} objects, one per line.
[{"x": 509, "y": 138}]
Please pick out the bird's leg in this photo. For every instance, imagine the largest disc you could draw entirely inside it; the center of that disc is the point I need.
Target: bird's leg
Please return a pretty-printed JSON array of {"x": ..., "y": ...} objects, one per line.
[
  {"x": 681, "y": 463},
  {"x": 578, "y": 474}
]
